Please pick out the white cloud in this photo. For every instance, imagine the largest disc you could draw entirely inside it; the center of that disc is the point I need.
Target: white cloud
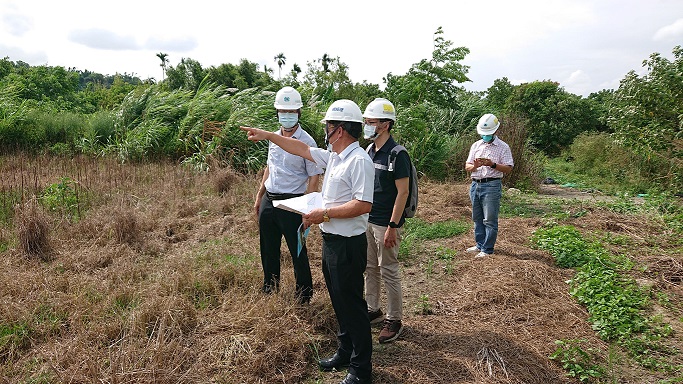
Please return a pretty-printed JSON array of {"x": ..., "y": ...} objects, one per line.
[
  {"x": 523, "y": 40},
  {"x": 578, "y": 82},
  {"x": 670, "y": 32},
  {"x": 103, "y": 39},
  {"x": 17, "y": 24}
]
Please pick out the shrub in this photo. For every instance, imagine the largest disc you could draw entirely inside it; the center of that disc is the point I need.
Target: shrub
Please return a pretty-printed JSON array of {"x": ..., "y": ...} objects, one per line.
[
  {"x": 62, "y": 198},
  {"x": 32, "y": 230},
  {"x": 529, "y": 162}
]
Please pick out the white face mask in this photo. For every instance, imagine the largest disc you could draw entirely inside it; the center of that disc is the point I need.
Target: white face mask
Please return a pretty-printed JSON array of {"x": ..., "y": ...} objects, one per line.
[
  {"x": 370, "y": 132},
  {"x": 287, "y": 119}
]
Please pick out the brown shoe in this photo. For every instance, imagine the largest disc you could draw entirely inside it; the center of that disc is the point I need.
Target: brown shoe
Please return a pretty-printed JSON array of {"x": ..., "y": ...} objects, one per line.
[{"x": 391, "y": 331}]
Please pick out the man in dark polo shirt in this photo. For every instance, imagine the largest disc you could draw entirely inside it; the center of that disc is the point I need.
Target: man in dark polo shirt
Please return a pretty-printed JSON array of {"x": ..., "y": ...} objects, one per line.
[{"x": 386, "y": 219}]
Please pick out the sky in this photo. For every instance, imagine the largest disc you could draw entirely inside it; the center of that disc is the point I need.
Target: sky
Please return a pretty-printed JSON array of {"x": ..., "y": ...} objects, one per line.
[{"x": 584, "y": 45}]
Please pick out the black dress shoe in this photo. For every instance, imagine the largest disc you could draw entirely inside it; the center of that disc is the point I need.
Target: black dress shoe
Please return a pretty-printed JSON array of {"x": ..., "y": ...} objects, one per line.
[
  {"x": 335, "y": 362},
  {"x": 353, "y": 379}
]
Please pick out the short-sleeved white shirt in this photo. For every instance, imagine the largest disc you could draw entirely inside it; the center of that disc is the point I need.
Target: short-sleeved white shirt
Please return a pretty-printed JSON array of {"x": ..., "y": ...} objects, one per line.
[
  {"x": 349, "y": 175},
  {"x": 498, "y": 151},
  {"x": 289, "y": 173}
]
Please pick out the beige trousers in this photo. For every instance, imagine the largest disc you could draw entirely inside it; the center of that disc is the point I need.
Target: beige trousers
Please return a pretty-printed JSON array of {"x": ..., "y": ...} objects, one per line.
[{"x": 383, "y": 266}]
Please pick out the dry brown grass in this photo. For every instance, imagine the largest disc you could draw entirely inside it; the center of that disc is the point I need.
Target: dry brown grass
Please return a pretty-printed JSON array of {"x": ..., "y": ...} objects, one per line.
[
  {"x": 159, "y": 283},
  {"x": 33, "y": 229}
]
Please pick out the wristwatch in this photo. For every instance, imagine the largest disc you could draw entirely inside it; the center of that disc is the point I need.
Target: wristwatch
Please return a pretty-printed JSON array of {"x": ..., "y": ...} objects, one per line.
[
  {"x": 393, "y": 225},
  {"x": 494, "y": 165},
  {"x": 326, "y": 218}
]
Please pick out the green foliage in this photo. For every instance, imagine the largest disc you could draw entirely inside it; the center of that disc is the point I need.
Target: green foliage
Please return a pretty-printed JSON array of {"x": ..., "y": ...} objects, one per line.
[
  {"x": 498, "y": 94},
  {"x": 423, "y": 230},
  {"x": 54, "y": 85},
  {"x": 187, "y": 75},
  {"x": 614, "y": 301},
  {"x": 424, "y": 306},
  {"x": 646, "y": 114},
  {"x": 577, "y": 362},
  {"x": 63, "y": 198},
  {"x": 567, "y": 246},
  {"x": 597, "y": 160},
  {"x": 522, "y": 205},
  {"x": 49, "y": 320},
  {"x": 431, "y": 80},
  {"x": 14, "y": 337},
  {"x": 242, "y": 76},
  {"x": 554, "y": 117},
  {"x": 327, "y": 79},
  {"x": 428, "y": 145},
  {"x": 417, "y": 230},
  {"x": 529, "y": 161}
]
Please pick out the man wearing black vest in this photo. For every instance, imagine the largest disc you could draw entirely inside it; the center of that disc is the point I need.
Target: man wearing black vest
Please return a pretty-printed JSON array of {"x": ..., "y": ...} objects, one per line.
[{"x": 386, "y": 219}]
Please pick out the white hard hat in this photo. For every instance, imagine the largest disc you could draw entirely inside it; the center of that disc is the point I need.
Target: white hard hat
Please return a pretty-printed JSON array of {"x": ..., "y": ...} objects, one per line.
[
  {"x": 343, "y": 110},
  {"x": 288, "y": 98},
  {"x": 488, "y": 124},
  {"x": 380, "y": 108}
]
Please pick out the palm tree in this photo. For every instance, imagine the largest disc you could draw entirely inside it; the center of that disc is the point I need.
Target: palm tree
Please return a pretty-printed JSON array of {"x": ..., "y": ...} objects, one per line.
[
  {"x": 296, "y": 70},
  {"x": 164, "y": 61},
  {"x": 280, "y": 60}
]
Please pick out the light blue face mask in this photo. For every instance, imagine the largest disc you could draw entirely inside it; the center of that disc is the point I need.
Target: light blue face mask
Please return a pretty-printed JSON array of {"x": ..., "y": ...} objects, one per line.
[
  {"x": 287, "y": 119},
  {"x": 487, "y": 138}
]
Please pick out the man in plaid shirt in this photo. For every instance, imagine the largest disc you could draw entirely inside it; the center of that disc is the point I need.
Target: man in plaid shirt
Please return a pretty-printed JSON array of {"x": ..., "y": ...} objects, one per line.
[{"x": 489, "y": 160}]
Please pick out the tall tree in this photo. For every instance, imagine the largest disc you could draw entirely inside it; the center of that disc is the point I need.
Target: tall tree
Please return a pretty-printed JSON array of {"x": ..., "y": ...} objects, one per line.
[
  {"x": 646, "y": 112},
  {"x": 553, "y": 116},
  {"x": 280, "y": 59},
  {"x": 434, "y": 80},
  {"x": 164, "y": 62}
]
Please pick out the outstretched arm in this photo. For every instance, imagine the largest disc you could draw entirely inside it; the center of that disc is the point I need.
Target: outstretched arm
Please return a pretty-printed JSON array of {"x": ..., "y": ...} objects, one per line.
[{"x": 291, "y": 145}]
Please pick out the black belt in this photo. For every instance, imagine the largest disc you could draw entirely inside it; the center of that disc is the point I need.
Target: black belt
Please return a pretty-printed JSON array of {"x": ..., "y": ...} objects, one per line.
[
  {"x": 486, "y": 179},
  {"x": 331, "y": 236},
  {"x": 282, "y": 196}
]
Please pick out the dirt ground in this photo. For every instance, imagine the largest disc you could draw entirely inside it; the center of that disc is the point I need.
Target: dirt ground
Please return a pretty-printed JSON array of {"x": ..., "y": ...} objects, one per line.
[{"x": 159, "y": 284}]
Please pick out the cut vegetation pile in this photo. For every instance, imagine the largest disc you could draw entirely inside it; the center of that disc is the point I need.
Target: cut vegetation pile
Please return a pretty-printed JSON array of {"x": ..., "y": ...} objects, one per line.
[{"x": 150, "y": 273}]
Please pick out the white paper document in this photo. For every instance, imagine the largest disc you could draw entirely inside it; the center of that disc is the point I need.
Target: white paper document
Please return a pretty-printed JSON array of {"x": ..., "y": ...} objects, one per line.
[{"x": 302, "y": 204}]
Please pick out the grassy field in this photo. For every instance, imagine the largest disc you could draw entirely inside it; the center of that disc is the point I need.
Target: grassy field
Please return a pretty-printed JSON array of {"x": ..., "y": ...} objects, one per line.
[{"x": 150, "y": 273}]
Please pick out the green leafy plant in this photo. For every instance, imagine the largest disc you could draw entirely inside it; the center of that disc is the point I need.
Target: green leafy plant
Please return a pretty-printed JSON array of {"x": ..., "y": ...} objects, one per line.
[
  {"x": 62, "y": 197},
  {"x": 614, "y": 301},
  {"x": 424, "y": 307},
  {"x": 567, "y": 245},
  {"x": 578, "y": 363}
]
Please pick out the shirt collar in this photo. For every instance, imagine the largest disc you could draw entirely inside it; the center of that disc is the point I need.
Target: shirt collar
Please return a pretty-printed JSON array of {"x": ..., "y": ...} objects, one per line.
[
  {"x": 347, "y": 150},
  {"x": 494, "y": 142},
  {"x": 388, "y": 145},
  {"x": 296, "y": 134}
]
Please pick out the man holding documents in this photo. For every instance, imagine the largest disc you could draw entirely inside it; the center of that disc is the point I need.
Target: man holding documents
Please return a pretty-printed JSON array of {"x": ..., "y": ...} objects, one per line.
[
  {"x": 346, "y": 202},
  {"x": 286, "y": 176}
]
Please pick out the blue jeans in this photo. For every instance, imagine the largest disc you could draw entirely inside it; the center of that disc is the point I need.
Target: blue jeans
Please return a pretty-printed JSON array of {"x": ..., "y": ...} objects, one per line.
[{"x": 485, "y": 199}]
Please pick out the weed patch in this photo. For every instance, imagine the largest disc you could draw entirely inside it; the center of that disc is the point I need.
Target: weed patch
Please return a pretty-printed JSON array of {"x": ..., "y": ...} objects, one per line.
[
  {"x": 13, "y": 339},
  {"x": 615, "y": 302},
  {"x": 417, "y": 230},
  {"x": 579, "y": 363}
]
